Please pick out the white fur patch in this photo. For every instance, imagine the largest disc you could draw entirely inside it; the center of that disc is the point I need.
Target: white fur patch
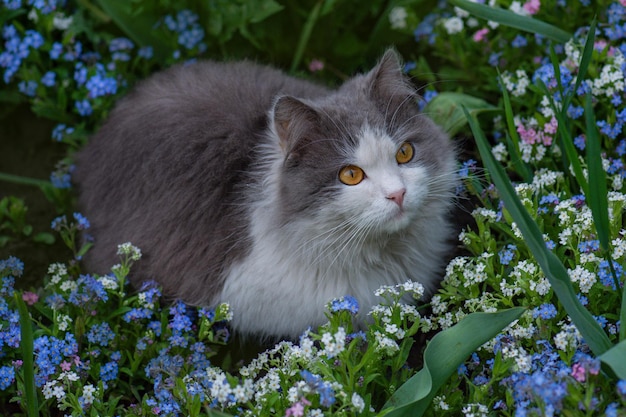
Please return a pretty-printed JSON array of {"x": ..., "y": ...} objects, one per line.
[{"x": 353, "y": 245}]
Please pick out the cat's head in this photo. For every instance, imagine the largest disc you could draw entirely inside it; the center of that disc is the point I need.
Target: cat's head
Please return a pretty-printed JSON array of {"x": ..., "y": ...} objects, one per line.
[{"x": 362, "y": 157}]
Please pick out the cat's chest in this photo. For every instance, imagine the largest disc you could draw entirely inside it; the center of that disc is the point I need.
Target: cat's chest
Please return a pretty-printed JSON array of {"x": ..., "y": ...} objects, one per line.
[{"x": 274, "y": 289}]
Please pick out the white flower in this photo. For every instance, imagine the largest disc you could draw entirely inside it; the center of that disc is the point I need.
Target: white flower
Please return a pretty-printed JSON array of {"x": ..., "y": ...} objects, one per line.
[
  {"x": 88, "y": 391},
  {"x": 453, "y": 25},
  {"x": 397, "y": 17},
  {"x": 385, "y": 344},
  {"x": 440, "y": 403},
  {"x": 357, "y": 402},
  {"x": 499, "y": 152},
  {"x": 516, "y": 7},
  {"x": 482, "y": 213},
  {"x": 108, "y": 282},
  {"x": 69, "y": 285},
  {"x": 475, "y": 410},
  {"x": 584, "y": 278},
  {"x": 69, "y": 376},
  {"x": 64, "y": 321},
  {"x": 61, "y": 22},
  {"x": 544, "y": 178},
  {"x": 128, "y": 249}
]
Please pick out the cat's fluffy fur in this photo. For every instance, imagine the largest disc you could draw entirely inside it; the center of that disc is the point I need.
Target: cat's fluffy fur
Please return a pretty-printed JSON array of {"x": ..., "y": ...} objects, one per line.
[{"x": 225, "y": 175}]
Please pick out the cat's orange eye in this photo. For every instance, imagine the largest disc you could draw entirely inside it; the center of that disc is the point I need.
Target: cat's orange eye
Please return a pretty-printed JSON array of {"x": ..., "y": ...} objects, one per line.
[
  {"x": 351, "y": 175},
  {"x": 405, "y": 153}
]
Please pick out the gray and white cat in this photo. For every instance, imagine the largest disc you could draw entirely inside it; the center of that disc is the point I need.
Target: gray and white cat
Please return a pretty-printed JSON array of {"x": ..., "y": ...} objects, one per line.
[{"x": 243, "y": 185}]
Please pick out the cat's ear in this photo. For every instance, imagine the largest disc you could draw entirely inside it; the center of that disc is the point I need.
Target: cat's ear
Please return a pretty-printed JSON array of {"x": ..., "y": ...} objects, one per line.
[
  {"x": 293, "y": 120},
  {"x": 387, "y": 83}
]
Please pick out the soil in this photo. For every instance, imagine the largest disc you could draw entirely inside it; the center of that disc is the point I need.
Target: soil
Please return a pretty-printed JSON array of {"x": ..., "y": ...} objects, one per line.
[{"x": 27, "y": 149}]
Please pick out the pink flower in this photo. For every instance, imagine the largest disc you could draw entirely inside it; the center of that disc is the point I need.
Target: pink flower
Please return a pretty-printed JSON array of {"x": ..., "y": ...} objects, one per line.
[
  {"x": 66, "y": 366},
  {"x": 532, "y": 6},
  {"x": 30, "y": 297},
  {"x": 527, "y": 135},
  {"x": 296, "y": 410},
  {"x": 622, "y": 2},
  {"x": 316, "y": 65},
  {"x": 578, "y": 372},
  {"x": 552, "y": 126},
  {"x": 480, "y": 35}
]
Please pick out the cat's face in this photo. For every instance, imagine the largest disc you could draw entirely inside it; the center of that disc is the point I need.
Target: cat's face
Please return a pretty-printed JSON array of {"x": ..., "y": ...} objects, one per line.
[{"x": 363, "y": 159}]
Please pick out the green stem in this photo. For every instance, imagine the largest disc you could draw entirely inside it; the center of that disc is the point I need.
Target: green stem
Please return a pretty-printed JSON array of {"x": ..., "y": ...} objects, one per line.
[
  {"x": 305, "y": 35},
  {"x": 26, "y": 344},
  {"x": 17, "y": 179}
]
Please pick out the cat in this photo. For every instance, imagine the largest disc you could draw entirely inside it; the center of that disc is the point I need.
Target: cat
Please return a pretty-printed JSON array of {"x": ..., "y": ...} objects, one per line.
[{"x": 243, "y": 185}]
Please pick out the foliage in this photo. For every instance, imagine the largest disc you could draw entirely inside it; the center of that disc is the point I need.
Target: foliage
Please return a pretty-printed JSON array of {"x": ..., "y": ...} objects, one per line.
[{"x": 552, "y": 242}]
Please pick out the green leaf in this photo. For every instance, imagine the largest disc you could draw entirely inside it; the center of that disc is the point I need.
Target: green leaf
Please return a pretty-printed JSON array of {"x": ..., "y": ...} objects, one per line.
[
  {"x": 586, "y": 56},
  {"x": 552, "y": 267},
  {"x": 508, "y": 18},
  {"x": 446, "y": 109},
  {"x": 26, "y": 346},
  {"x": 443, "y": 355},
  {"x": 597, "y": 197},
  {"x": 616, "y": 359},
  {"x": 138, "y": 27},
  {"x": 264, "y": 9},
  {"x": 44, "y": 237}
]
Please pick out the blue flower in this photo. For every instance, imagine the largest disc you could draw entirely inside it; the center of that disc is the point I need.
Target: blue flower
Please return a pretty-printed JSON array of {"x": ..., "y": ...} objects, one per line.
[
  {"x": 426, "y": 29},
  {"x": 146, "y": 52},
  {"x": 575, "y": 111},
  {"x": 82, "y": 222},
  {"x": 589, "y": 246},
  {"x": 12, "y": 4},
  {"x": 7, "y": 377},
  {"x": 612, "y": 131},
  {"x": 611, "y": 410},
  {"x": 49, "y": 79},
  {"x": 83, "y": 107},
  {"x": 100, "y": 334},
  {"x": 108, "y": 372},
  {"x": 605, "y": 275},
  {"x": 101, "y": 85},
  {"x": 60, "y": 131},
  {"x": 13, "y": 266},
  {"x": 579, "y": 142},
  {"x": 120, "y": 44},
  {"x": 323, "y": 388},
  {"x": 506, "y": 255},
  {"x": 494, "y": 59},
  {"x": 345, "y": 303},
  {"x": 621, "y": 148},
  {"x": 56, "y": 50},
  {"x": 80, "y": 73},
  {"x": 28, "y": 88},
  {"x": 44, "y": 6},
  {"x": 519, "y": 42},
  {"x": 467, "y": 167},
  {"x": 545, "y": 311},
  {"x": 136, "y": 314}
]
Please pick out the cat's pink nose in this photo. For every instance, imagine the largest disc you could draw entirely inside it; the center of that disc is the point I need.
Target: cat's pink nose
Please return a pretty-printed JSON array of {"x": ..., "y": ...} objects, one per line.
[{"x": 397, "y": 197}]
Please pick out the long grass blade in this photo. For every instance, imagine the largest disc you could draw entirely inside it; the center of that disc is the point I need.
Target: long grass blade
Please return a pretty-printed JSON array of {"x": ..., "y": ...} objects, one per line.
[
  {"x": 443, "y": 355},
  {"x": 26, "y": 345},
  {"x": 552, "y": 267},
  {"x": 597, "y": 198},
  {"x": 586, "y": 56},
  {"x": 508, "y": 18},
  {"x": 520, "y": 167},
  {"x": 305, "y": 35}
]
